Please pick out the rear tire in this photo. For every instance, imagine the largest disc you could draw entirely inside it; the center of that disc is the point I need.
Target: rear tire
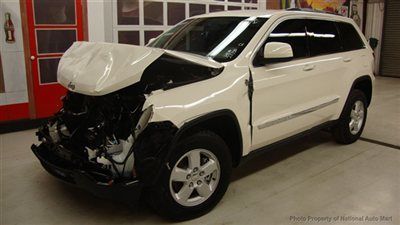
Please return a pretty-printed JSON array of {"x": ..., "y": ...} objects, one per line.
[
  {"x": 352, "y": 120},
  {"x": 196, "y": 180}
]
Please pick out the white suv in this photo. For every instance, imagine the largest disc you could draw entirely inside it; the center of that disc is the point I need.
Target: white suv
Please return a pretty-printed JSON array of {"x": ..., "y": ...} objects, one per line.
[{"x": 171, "y": 119}]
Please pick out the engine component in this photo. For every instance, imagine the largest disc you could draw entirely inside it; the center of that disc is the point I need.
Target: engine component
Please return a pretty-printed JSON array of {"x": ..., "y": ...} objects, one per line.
[
  {"x": 111, "y": 132},
  {"x": 100, "y": 130},
  {"x": 121, "y": 162},
  {"x": 57, "y": 131}
]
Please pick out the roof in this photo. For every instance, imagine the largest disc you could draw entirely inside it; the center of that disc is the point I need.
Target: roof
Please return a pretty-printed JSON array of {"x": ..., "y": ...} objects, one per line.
[
  {"x": 239, "y": 13},
  {"x": 269, "y": 13}
]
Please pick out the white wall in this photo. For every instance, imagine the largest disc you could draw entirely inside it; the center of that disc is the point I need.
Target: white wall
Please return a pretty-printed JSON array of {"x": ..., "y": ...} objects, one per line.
[
  {"x": 100, "y": 20},
  {"x": 95, "y": 10},
  {"x": 374, "y": 27},
  {"x": 12, "y": 57}
]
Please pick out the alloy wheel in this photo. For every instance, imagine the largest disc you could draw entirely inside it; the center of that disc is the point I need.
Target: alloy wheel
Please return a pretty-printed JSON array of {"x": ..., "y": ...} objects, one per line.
[
  {"x": 356, "y": 117},
  {"x": 194, "y": 177}
]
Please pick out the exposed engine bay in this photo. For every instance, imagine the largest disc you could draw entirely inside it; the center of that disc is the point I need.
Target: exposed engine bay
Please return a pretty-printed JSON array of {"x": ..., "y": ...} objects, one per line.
[{"x": 111, "y": 135}]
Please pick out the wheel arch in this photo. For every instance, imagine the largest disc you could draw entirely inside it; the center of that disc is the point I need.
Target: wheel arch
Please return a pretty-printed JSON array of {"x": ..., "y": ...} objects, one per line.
[
  {"x": 364, "y": 84},
  {"x": 222, "y": 122}
]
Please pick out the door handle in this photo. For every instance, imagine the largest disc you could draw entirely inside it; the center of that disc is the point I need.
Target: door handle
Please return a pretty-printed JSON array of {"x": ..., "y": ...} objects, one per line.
[
  {"x": 347, "y": 60},
  {"x": 33, "y": 57},
  {"x": 308, "y": 67}
]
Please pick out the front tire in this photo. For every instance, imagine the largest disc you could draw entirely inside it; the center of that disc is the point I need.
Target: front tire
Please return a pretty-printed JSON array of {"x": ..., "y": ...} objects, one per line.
[
  {"x": 196, "y": 179},
  {"x": 352, "y": 120}
]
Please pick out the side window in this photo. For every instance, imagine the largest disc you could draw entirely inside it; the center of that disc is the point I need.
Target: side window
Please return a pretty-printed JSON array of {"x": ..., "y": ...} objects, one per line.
[
  {"x": 350, "y": 38},
  {"x": 292, "y": 32},
  {"x": 323, "y": 37}
]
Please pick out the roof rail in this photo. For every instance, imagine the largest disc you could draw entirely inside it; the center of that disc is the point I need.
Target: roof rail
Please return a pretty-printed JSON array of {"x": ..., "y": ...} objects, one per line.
[{"x": 310, "y": 10}]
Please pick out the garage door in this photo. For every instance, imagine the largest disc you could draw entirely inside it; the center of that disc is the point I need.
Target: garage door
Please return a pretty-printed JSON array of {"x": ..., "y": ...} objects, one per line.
[
  {"x": 136, "y": 22},
  {"x": 390, "y": 59}
]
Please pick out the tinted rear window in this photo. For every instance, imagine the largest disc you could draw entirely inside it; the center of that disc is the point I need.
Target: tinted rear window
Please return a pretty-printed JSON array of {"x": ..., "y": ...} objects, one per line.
[
  {"x": 323, "y": 37},
  {"x": 350, "y": 38}
]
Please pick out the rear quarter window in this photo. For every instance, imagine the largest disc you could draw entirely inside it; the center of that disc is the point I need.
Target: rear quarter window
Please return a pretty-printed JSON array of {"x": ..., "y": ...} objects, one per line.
[{"x": 351, "y": 40}]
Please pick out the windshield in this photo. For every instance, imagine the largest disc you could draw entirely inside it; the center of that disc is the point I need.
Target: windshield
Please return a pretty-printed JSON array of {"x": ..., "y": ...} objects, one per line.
[{"x": 220, "y": 38}]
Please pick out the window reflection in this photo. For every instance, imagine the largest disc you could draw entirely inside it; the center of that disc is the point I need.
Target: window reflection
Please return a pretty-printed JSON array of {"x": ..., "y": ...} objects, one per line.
[
  {"x": 292, "y": 32},
  {"x": 54, "y": 12},
  {"x": 54, "y": 41},
  {"x": 234, "y": 8},
  {"x": 220, "y": 38},
  {"x": 153, "y": 13},
  {"x": 323, "y": 37},
  {"x": 197, "y": 9},
  {"x": 312, "y": 34},
  {"x": 48, "y": 70},
  {"x": 128, "y": 12},
  {"x": 151, "y": 34},
  {"x": 128, "y": 37},
  {"x": 276, "y": 35},
  {"x": 216, "y": 8},
  {"x": 176, "y": 13}
]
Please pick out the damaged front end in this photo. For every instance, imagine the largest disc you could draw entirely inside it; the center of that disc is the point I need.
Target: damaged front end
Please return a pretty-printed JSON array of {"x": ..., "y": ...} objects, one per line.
[
  {"x": 103, "y": 139},
  {"x": 105, "y": 143}
]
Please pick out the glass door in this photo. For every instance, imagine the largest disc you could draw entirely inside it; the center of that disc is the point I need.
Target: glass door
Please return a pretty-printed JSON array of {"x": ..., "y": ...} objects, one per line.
[{"x": 53, "y": 27}]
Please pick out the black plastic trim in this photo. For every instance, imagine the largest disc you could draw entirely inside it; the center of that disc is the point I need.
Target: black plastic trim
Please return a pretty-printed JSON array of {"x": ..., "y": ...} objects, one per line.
[
  {"x": 361, "y": 79},
  {"x": 191, "y": 124},
  {"x": 127, "y": 191},
  {"x": 275, "y": 145}
]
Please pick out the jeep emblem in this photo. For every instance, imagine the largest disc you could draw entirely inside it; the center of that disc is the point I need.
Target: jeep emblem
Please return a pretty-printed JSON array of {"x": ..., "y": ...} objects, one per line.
[{"x": 71, "y": 86}]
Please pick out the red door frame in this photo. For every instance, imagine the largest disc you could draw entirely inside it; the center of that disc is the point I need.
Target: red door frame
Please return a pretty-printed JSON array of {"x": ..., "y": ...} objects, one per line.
[
  {"x": 47, "y": 96},
  {"x": 29, "y": 110}
]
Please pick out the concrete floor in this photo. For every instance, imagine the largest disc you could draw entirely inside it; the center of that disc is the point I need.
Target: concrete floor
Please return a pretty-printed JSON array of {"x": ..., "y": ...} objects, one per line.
[{"x": 312, "y": 177}]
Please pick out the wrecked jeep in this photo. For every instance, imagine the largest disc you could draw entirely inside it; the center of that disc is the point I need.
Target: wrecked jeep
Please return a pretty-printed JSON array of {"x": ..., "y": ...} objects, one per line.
[
  {"x": 168, "y": 121},
  {"x": 132, "y": 115}
]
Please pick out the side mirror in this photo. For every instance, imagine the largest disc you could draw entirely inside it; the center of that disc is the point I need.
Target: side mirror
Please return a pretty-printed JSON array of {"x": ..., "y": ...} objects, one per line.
[
  {"x": 373, "y": 42},
  {"x": 278, "y": 51}
]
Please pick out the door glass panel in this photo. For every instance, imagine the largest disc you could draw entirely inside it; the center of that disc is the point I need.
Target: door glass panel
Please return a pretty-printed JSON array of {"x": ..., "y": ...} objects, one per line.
[
  {"x": 323, "y": 37},
  {"x": 216, "y": 8},
  {"x": 153, "y": 13},
  {"x": 292, "y": 32},
  {"x": 197, "y": 9},
  {"x": 234, "y": 7},
  {"x": 128, "y": 12},
  {"x": 54, "y": 41},
  {"x": 48, "y": 70},
  {"x": 128, "y": 37},
  {"x": 176, "y": 13},
  {"x": 54, "y": 11},
  {"x": 151, "y": 34}
]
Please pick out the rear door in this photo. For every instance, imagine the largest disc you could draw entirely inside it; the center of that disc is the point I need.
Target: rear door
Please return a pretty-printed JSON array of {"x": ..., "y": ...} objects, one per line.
[
  {"x": 334, "y": 66},
  {"x": 290, "y": 97}
]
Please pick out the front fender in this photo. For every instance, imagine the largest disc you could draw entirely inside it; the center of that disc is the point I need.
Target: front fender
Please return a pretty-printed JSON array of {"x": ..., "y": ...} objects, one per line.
[{"x": 183, "y": 104}]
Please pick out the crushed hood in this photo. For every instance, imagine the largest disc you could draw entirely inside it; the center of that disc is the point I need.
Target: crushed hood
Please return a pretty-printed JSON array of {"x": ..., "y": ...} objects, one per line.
[{"x": 101, "y": 68}]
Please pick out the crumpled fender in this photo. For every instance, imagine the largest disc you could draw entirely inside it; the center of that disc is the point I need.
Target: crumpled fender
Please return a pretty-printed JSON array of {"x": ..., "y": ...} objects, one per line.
[{"x": 97, "y": 69}]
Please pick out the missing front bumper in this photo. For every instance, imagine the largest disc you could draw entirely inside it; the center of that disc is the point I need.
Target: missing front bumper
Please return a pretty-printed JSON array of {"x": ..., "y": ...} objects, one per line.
[{"x": 98, "y": 184}]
